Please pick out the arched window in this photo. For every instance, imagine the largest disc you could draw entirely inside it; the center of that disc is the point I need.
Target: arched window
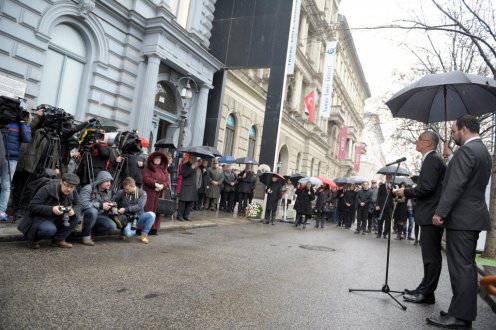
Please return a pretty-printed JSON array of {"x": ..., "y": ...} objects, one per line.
[
  {"x": 64, "y": 68},
  {"x": 251, "y": 142},
  {"x": 229, "y": 138}
]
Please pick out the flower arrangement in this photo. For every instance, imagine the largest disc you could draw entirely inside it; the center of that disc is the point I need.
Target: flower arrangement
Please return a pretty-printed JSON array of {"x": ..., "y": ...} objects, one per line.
[{"x": 254, "y": 211}]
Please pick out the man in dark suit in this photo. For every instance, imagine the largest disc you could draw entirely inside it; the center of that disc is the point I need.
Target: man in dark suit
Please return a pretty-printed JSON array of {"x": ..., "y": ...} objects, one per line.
[
  {"x": 462, "y": 210},
  {"x": 427, "y": 193},
  {"x": 385, "y": 200}
]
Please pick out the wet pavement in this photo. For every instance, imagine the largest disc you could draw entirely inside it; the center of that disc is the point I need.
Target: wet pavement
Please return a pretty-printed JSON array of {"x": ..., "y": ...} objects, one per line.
[{"x": 237, "y": 275}]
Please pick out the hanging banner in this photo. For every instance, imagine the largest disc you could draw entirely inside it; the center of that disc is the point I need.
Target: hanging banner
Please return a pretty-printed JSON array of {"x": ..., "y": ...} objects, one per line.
[
  {"x": 358, "y": 153},
  {"x": 343, "y": 135},
  {"x": 327, "y": 75},
  {"x": 309, "y": 101},
  {"x": 293, "y": 37}
]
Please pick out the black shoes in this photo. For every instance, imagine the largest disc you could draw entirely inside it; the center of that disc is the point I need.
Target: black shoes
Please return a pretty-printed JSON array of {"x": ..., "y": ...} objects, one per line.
[
  {"x": 411, "y": 292},
  {"x": 420, "y": 299},
  {"x": 449, "y": 322},
  {"x": 187, "y": 219}
]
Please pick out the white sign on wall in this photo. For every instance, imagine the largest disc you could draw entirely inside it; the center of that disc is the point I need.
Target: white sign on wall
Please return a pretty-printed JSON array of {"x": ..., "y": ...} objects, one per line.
[
  {"x": 328, "y": 73},
  {"x": 293, "y": 36},
  {"x": 12, "y": 88}
]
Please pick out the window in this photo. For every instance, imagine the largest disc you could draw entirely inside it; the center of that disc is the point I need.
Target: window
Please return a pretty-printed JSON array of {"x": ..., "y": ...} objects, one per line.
[
  {"x": 229, "y": 138},
  {"x": 298, "y": 162},
  {"x": 63, "y": 70},
  {"x": 165, "y": 99},
  {"x": 251, "y": 142},
  {"x": 180, "y": 8}
]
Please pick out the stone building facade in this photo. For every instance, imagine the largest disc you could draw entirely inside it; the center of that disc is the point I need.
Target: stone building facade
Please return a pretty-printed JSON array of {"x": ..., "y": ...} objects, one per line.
[
  {"x": 123, "y": 60},
  {"x": 304, "y": 146},
  {"x": 373, "y": 159}
]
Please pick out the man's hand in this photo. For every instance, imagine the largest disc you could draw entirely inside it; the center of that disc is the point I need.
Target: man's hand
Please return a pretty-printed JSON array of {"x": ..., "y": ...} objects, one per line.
[
  {"x": 362, "y": 204},
  {"x": 140, "y": 163},
  {"x": 437, "y": 220},
  {"x": 348, "y": 204},
  {"x": 40, "y": 112},
  {"x": 119, "y": 159},
  {"x": 399, "y": 192},
  {"x": 56, "y": 210},
  {"x": 72, "y": 213},
  {"x": 106, "y": 206},
  {"x": 377, "y": 208},
  {"x": 121, "y": 210}
]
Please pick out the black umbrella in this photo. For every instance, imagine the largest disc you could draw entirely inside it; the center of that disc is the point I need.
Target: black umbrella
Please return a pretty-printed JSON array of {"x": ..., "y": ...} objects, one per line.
[
  {"x": 197, "y": 151},
  {"x": 399, "y": 179},
  {"x": 294, "y": 178},
  {"x": 266, "y": 177},
  {"x": 341, "y": 181},
  {"x": 391, "y": 170},
  {"x": 444, "y": 96},
  {"x": 213, "y": 150},
  {"x": 246, "y": 160}
]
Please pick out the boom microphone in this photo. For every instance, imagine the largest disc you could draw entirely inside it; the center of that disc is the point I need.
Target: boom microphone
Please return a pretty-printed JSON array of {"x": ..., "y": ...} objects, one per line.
[{"x": 397, "y": 161}]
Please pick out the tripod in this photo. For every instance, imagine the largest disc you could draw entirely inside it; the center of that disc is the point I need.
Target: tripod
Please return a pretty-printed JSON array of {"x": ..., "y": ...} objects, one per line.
[
  {"x": 87, "y": 161},
  {"x": 385, "y": 288}
]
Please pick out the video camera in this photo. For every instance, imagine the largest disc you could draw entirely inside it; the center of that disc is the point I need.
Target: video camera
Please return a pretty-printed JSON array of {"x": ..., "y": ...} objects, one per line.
[
  {"x": 65, "y": 216},
  {"x": 56, "y": 118},
  {"x": 11, "y": 110}
]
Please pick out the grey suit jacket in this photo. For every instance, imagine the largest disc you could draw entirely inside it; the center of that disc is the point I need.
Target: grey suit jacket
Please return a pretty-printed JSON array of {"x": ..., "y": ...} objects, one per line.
[
  {"x": 428, "y": 189},
  {"x": 463, "y": 204}
]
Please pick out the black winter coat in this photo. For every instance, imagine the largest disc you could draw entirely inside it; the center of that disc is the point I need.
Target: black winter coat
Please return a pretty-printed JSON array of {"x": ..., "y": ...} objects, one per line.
[
  {"x": 305, "y": 198},
  {"x": 246, "y": 182},
  {"x": 324, "y": 196},
  {"x": 40, "y": 208},
  {"x": 188, "y": 192},
  {"x": 273, "y": 192}
]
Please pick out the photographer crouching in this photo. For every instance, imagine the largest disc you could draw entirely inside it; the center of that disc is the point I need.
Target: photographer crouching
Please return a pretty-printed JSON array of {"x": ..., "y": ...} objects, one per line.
[
  {"x": 96, "y": 201},
  {"x": 53, "y": 213},
  {"x": 131, "y": 205}
]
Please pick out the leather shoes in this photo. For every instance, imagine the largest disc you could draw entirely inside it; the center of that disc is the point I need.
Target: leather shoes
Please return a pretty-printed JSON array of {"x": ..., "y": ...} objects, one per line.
[
  {"x": 61, "y": 244},
  {"x": 411, "y": 292},
  {"x": 187, "y": 219},
  {"x": 419, "y": 299},
  {"x": 449, "y": 322}
]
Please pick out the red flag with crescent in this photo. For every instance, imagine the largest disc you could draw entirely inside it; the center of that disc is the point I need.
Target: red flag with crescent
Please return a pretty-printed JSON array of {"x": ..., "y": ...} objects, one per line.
[{"x": 310, "y": 105}]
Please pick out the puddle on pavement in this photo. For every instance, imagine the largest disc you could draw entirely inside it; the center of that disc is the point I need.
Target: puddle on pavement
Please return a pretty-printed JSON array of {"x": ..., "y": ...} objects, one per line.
[
  {"x": 122, "y": 290},
  {"x": 151, "y": 295},
  {"x": 187, "y": 233},
  {"x": 317, "y": 248}
]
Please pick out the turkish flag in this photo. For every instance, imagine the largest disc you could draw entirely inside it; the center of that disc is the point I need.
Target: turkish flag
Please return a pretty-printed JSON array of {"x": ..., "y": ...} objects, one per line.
[{"x": 310, "y": 105}]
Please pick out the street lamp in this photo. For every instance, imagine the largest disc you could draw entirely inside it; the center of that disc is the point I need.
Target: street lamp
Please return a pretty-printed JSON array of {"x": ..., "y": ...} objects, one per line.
[{"x": 185, "y": 92}]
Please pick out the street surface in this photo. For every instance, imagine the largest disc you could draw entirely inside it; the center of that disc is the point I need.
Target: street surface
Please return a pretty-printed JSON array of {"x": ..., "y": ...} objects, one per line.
[{"x": 238, "y": 275}]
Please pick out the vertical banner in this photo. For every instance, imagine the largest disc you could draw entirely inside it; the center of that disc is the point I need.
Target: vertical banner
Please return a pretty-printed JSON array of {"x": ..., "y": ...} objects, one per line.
[
  {"x": 343, "y": 135},
  {"x": 327, "y": 75},
  {"x": 293, "y": 37},
  {"x": 309, "y": 101},
  {"x": 358, "y": 153}
]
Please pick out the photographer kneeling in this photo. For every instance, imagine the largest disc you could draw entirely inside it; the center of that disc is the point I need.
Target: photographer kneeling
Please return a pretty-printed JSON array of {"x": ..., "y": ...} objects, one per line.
[
  {"x": 54, "y": 211},
  {"x": 96, "y": 201},
  {"x": 131, "y": 203}
]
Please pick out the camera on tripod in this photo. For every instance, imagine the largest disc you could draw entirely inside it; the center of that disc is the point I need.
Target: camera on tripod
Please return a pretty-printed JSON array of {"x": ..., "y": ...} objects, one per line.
[
  {"x": 65, "y": 216},
  {"x": 11, "y": 110},
  {"x": 56, "y": 118}
]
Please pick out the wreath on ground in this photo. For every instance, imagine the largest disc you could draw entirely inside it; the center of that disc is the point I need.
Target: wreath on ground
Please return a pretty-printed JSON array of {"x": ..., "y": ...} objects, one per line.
[{"x": 254, "y": 211}]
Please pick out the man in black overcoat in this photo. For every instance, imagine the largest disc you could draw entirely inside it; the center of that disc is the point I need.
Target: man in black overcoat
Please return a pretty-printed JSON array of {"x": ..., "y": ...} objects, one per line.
[
  {"x": 385, "y": 200},
  {"x": 427, "y": 193},
  {"x": 188, "y": 193},
  {"x": 463, "y": 211}
]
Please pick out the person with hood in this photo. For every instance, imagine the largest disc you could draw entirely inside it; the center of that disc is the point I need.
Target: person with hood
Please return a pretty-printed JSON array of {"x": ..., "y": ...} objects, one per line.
[
  {"x": 324, "y": 197},
  {"x": 305, "y": 197},
  {"x": 130, "y": 206},
  {"x": 273, "y": 191},
  {"x": 53, "y": 213},
  {"x": 188, "y": 194},
  {"x": 96, "y": 202},
  {"x": 156, "y": 180}
]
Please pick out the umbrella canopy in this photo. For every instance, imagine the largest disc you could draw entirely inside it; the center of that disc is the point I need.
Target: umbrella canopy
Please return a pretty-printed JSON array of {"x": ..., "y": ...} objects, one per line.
[
  {"x": 341, "y": 181},
  {"x": 266, "y": 177},
  {"x": 246, "y": 160},
  {"x": 331, "y": 183},
  {"x": 144, "y": 142},
  {"x": 406, "y": 180},
  {"x": 107, "y": 124},
  {"x": 314, "y": 181},
  {"x": 227, "y": 159},
  {"x": 213, "y": 150},
  {"x": 391, "y": 169},
  {"x": 197, "y": 151},
  {"x": 164, "y": 143},
  {"x": 444, "y": 96},
  {"x": 294, "y": 178},
  {"x": 357, "y": 179}
]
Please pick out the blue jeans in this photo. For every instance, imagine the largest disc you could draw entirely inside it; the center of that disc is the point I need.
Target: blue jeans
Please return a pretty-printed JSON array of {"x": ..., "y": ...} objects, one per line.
[
  {"x": 146, "y": 220},
  {"x": 6, "y": 180},
  {"x": 409, "y": 216},
  {"x": 97, "y": 224},
  {"x": 53, "y": 228}
]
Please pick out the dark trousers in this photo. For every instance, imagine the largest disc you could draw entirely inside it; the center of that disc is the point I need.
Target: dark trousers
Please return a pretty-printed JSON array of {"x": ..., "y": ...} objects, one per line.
[
  {"x": 243, "y": 201},
  {"x": 384, "y": 223},
  {"x": 362, "y": 215},
  {"x": 183, "y": 209},
  {"x": 431, "y": 257},
  {"x": 230, "y": 201},
  {"x": 53, "y": 228},
  {"x": 199, "y": 202},
  {"x": 460, "y": 252},
  {"x": 300, "y": 217},
  {"x": 320, "y": 219},
  {"x": 343, "y": 215},
  {"x": 350, "y": 216},
  {"x": 270, "y": 215}
]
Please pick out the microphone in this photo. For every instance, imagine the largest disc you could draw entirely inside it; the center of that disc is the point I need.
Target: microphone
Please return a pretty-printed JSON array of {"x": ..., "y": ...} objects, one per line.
[{"x": 397, "y": 161}]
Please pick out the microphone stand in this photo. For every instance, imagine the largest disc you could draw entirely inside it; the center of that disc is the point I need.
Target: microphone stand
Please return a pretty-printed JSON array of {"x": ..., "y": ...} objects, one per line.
[{"x": 385, "y": 288}]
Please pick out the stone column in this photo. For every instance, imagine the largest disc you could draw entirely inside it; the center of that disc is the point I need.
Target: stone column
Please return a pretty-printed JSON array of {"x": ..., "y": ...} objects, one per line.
[
  {"x": 144, "y": 113},
  {"x": 200, "y": 114},
  {"x": 295, "y": 101}
]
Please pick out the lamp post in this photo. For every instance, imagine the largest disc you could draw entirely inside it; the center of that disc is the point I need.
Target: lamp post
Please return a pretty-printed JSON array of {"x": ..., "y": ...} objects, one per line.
[{"x": 185, "y": 92}]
